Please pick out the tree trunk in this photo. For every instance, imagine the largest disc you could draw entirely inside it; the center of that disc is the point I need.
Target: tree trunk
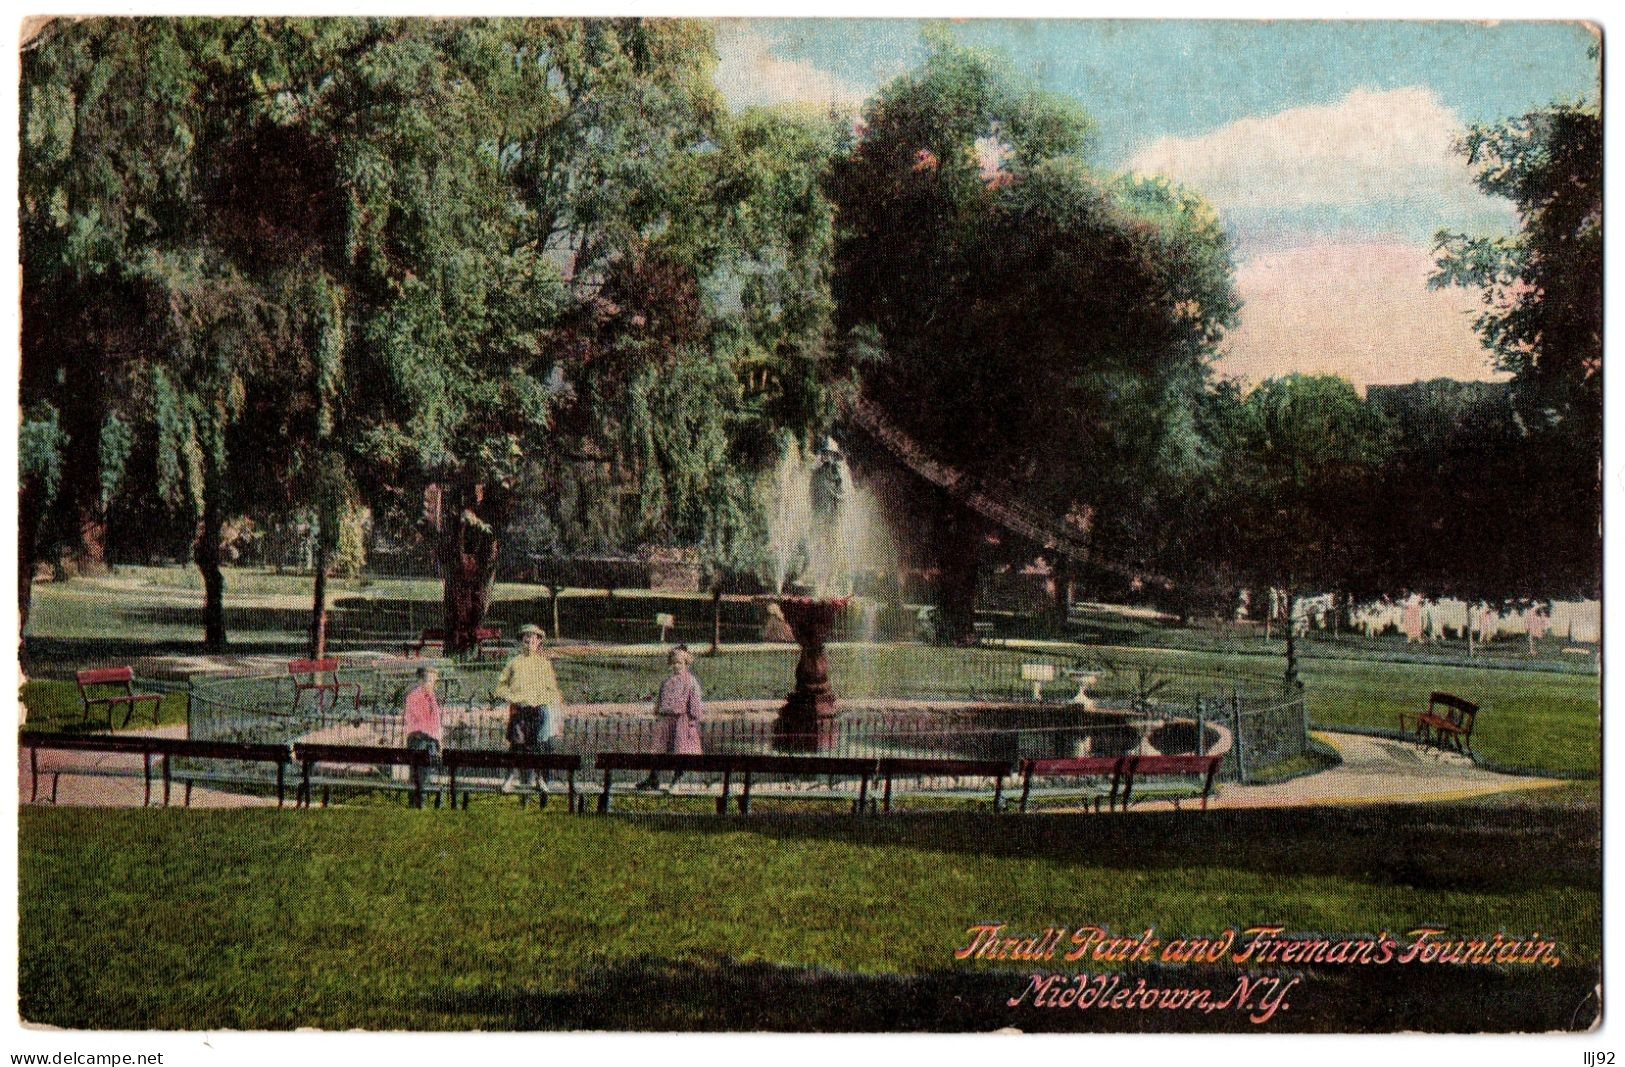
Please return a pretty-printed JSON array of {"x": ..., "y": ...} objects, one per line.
[
  {"x": 318, "y": 607},
  {"x": 469, "y": 540},
  {"x": 555, "y": 590},
  {"x": 959, "y": 546},
  {"x": 1062, "y": 566},
  {"x": 716, "y": 618},
  {"x": 1469, "y": 614},
  {"x": 206, "y": 553},
  {"x": 1291, "y": 639},
  {"x": 28, "y": 523},
  {"x": 90, "y": 547}
]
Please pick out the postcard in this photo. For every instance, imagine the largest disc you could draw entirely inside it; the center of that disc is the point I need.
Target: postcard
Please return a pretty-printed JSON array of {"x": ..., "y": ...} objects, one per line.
[{"x": 766, "y": 525}]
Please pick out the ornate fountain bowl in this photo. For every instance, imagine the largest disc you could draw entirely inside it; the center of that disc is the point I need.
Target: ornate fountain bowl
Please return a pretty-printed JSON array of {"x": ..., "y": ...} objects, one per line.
[{"x": 806, "y": 723}]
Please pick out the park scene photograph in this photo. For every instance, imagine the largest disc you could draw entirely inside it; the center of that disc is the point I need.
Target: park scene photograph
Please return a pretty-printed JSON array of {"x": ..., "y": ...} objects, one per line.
[{"x": 808, "y": 525}]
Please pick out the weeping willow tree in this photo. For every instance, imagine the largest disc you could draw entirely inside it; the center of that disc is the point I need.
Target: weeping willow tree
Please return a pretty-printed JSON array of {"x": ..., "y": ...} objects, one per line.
[
  {"x": 216, "y": 213},
  {"x": 333, "y": 260},
  {"x": 634, "y": 332}
]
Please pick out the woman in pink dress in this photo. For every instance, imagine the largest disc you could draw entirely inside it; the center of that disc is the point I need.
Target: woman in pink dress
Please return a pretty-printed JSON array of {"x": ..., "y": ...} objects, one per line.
[{"x": 679, "y": 709}]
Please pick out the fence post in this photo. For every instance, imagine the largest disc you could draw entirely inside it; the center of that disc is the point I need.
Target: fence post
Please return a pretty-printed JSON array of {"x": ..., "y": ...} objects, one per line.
[
  {"x": 1235, "y": 712},
  {"x": 1303, "y": 720}
]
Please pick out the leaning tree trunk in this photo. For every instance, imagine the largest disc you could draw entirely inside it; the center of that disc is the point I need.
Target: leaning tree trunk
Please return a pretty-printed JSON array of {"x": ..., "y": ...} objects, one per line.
[
  {"x": 959, "y": 546},
  {"x": 476, "y": 515},
  {"x": 206, "y": 553}
]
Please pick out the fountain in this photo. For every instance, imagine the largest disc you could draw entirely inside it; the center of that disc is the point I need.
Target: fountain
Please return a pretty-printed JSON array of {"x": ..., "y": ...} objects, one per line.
[
  {"x": 822, "y": 530},
  {"x": 806, "y": 723}
]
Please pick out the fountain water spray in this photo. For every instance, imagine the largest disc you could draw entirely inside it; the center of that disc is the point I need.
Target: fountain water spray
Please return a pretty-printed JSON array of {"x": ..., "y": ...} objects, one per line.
[{"x": 823, "y": 531}]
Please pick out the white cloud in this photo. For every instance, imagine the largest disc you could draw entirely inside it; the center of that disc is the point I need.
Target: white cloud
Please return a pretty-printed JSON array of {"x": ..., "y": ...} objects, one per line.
[
  {"x": 1360, "y": 310},
  {"x": 1381, "y": 161},
  {"x": 748, "y": 73}
]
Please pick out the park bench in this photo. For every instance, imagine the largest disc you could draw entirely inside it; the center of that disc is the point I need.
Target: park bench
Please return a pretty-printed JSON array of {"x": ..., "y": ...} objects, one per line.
[
  {"x": 309, "y": 756},
  {"x": 320, "y": 676},
  {"x": 430, "y": 638},
  {"x": 487, "y": 643},
  {"x": 1452, "y": 730},
  {"x": 1109, "y": 767},
  {"x": 1141, "y": 767},
  {"x": 177, "y": 748},
  {"x": 890, "y": 767},
  {"x": 454, "y": 760},
  {"x": 729, "y": 764},
  {"x": 93, "y": 686},
  {"x": 1123, "y": 772},
  {"x": 111, "y": 744}
]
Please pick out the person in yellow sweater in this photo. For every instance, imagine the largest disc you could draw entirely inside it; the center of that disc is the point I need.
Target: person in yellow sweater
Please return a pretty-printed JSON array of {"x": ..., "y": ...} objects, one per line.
[{"x": 535, "y": 705}]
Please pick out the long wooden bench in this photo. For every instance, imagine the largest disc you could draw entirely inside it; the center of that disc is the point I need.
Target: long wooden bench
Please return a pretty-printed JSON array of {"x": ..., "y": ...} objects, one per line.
[
  {"x": 1204, "y": 767},
  {"x": 173, "y": 748},
  {"x": 114, "y": 744},
  {"x": 454, "y": 760},
  {"x": 1111, "y": 767},
  {"x": 1452, "y": 730},
  {"x": 309, "y": 756},
  {"x": 890, "y": 767},
  {"x": 93, "y": 686},
  {"x": 745, "y": 765},
  {"x": 1123, "y": 772}
]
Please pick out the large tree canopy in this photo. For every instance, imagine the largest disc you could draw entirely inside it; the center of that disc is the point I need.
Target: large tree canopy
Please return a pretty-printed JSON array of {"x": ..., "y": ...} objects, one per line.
[
  {"x": 358, "y": 257},
  {"x": 1542, "y": 320},
  {"x": 1042, "y": 327}
]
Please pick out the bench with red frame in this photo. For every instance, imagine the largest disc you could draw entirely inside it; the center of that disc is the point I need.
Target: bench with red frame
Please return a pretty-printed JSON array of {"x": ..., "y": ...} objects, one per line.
[
  {"x": 93, "y": 682},
  {"x": 429, "y": 638},
  {"x": 538, "y": 763},
  {"x": 1203, "y": 767},
  {"x": 745, "y": 765},
  {"x": 320, "y": 676},
  {"x": 487, "y": 643},
  {"x": 1123, "y": 772},
  {"x": 1452, "y": 730},
  {"x": 1107, "y": 767},
  {"x": 309, "y": 756}
]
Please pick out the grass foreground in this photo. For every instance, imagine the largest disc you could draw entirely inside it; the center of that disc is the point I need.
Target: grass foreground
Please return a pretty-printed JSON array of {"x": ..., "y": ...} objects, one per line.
[{"x": 382, "y": 918}]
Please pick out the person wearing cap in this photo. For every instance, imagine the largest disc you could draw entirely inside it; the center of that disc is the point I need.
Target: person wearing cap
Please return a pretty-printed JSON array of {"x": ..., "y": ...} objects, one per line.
[
  {"x": 535, "y": 704},
  {"x": 679, "y": 708}
]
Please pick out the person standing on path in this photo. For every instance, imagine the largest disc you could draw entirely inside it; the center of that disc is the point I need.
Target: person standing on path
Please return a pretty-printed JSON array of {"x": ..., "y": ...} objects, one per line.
[
  {"x": 679, "y": 707},
  {"x": 535, "y": 705},
  {"x": 423, "y": 726}
]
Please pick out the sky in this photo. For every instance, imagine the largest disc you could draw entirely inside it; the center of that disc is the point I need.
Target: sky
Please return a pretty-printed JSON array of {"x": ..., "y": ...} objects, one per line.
[{"x": 1325, "y": 146}]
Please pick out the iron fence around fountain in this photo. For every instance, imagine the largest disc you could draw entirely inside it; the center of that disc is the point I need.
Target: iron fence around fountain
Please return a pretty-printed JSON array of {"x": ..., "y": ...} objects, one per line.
[{"x": 912, "y": 707}]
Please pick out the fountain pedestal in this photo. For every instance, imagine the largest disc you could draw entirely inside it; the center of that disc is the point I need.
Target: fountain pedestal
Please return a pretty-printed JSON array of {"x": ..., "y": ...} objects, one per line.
[{"x": 806, "y": 723}]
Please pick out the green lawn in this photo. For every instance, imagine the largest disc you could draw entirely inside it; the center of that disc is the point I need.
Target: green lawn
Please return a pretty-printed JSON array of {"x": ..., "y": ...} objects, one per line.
[{"x": 379, "y": 917}]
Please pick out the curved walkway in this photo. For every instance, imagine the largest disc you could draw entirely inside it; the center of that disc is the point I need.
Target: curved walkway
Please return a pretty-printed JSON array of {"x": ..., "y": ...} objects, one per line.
[{"x": 1377, "y": 770}]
